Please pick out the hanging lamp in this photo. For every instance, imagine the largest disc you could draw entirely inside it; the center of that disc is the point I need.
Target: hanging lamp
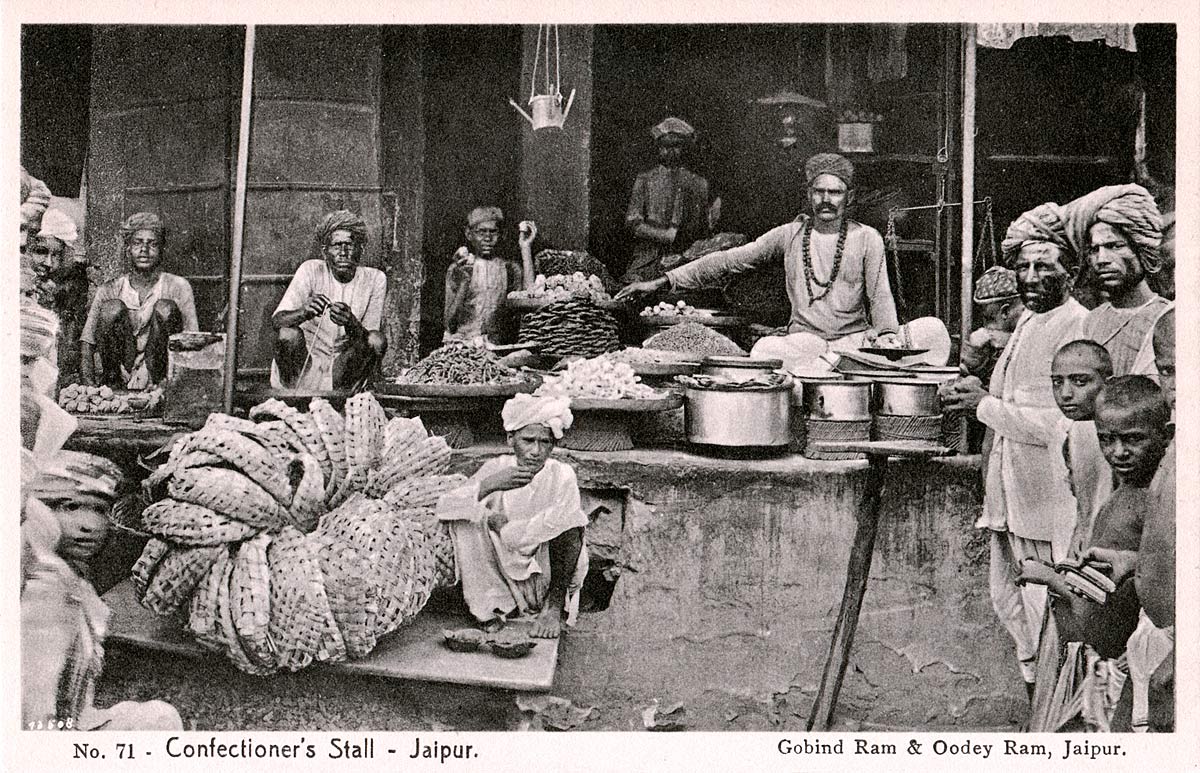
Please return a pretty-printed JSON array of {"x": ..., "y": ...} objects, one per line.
[{"x": 546, "y": 106}]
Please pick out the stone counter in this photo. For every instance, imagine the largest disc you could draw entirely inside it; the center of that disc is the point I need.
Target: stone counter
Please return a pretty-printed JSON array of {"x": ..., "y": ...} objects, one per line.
[{"x": 730, "y": 574}]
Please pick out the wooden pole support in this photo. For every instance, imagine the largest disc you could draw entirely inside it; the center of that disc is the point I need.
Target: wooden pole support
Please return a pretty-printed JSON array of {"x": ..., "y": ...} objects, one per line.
[{"x": 857, "y": 572}]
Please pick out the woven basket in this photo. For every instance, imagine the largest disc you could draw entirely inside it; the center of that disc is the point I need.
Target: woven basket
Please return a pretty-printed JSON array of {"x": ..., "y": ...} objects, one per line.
[
  {"x": 202, "y": 611},
  {"x": 923, "y": 428},
  {"x": 825, "y": 431},
  {"x": 177, "y": 576},
  {"x": 400, "y": 433},
  {"x": 429, "y": 456},
  {"x": 228, "y": 492},
  {"x": 300, "y": 618},
  {"x": 126, "y": 514},
  {"x": 244, "y": 454},
  {"x": 227, "y": 634},
  {"x": 308, "y": 501},
  {"x": 423, "y": 492},
  {"x": 365, "y": 424},
  {"x": 250, "y": 601},
  {"x": 143, "y": 569},
  {"x": 332, "y": 427},
  {"x": 193, "y": 525}
]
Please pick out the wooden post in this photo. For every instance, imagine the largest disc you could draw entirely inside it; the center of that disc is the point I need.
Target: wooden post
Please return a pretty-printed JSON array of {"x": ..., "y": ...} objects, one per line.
[
  {"x": 968, "y": 182},
  {"x": 858, "y": 571},
  {"x": 239, "y": 221}
]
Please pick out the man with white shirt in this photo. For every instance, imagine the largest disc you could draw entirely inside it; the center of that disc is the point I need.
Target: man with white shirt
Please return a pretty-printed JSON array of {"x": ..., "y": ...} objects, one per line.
[
  {"x": 1119, "y": 229},
  {"x": 1024, "y": 506},
  {"x": 328, "y": 323},
  {"x": 133, "y": 316}
]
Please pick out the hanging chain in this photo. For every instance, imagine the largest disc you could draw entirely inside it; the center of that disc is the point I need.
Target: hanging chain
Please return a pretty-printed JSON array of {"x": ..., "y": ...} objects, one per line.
[{"x": 987, "y": 233}]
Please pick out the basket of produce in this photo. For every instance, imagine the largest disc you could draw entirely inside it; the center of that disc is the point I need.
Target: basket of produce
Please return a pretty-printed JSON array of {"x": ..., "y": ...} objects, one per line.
[
  {"x": 576, "y": 326},
  {"x": 460, "y": 369},
  {"x": 296, "y": 537},
  {"x": 551, "y": 262},
  {"x": 105, "y": 402}
]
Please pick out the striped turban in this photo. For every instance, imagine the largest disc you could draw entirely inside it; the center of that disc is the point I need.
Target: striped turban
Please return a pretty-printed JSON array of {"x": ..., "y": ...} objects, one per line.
[
  {"x": 342, "y": 220},
  {"x": 1128, "y": 208},
  {"x": 829, "y": 163},
  {"x": 143, "y": 221},
  {"x": 1044, "y": 223}
]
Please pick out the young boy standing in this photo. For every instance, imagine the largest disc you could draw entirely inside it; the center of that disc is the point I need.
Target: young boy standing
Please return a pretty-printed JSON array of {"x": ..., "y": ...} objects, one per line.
[{"x": 479, "y": 280}]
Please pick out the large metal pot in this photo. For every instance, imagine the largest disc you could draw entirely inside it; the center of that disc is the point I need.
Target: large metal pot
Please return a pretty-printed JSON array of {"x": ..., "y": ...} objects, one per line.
[
  {"x": 734, "y": 417},
  {"x": 838, "y": 400},
  {"x": 738, "y": 368},
  {"x": 906, "y": 397}
]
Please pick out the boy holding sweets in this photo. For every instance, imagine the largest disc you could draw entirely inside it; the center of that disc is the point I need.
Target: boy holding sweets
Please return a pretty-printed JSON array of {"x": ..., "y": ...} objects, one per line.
[{"x": 479, "y": 280}]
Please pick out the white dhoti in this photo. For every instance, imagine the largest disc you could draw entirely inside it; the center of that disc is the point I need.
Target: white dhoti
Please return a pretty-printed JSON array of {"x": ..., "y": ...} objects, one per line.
[
  {"x": 1019, "y": 607},
  {"x": 1147, "y": 648},
  {"x": 509, "y": 573}
]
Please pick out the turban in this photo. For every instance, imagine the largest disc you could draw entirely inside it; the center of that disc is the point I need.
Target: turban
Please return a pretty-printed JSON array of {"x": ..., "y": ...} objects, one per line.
[
  {"x": 1129, "y": 208},
  {"x": 829, "y": 163},
  {"x": 1044, "y": 223},
  {"x": 996, "y": 284},
  {"x": 342, "y": 220},
  {"x": 35, "y": 198},
  {"x": 143, "y": 221},
  {"x": 69, "y": 475},
  {"x": 484, "y": 215},
  {"x": 523, "y": 410},
  {"x": 58, "y": 224},
  {"x": 674, "y": 126}
]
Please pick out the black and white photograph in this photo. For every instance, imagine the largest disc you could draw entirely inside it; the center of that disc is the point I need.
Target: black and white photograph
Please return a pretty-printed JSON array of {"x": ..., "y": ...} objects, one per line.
[{"x": 388, "y": 381}]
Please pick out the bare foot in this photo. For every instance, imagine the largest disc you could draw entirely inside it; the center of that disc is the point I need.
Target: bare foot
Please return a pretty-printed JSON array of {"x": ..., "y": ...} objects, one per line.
[
  {"x": 493, "y": 625},
  {"x": 548, "y": 624}
]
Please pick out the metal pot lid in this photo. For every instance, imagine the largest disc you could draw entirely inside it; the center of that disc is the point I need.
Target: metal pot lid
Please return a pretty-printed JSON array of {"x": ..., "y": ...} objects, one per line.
[{"x": 718, "y": 361}]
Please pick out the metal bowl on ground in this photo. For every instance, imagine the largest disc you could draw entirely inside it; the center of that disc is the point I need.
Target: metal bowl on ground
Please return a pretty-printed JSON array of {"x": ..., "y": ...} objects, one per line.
[
  {"x": 511, "y": 649},
  {"x": 906, "y": 397},
  {"x": 736, "y": 417},
  {"x": 738, "y": 368},
  {"x": 837, "y": 400},
  {"x": 463, "y": 639}
]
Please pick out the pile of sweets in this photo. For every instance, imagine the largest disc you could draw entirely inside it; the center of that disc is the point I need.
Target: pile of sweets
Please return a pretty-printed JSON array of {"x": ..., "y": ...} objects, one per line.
[
  {"x": 597, "y": 378},
  {"x": 297, "y": 537}
]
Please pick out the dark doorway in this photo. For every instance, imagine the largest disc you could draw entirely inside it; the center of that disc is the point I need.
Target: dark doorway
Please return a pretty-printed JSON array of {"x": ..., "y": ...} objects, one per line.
[
  {"x": 472, "y": 150},
  {"x": 56, "y": 62}
]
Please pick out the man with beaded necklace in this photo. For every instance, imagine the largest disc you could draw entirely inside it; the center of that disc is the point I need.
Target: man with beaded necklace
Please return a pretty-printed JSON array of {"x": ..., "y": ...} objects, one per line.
[{"x": 836, "y": 277}]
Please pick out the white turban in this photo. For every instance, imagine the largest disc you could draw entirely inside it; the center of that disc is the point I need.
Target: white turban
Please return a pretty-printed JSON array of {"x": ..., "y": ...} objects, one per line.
[
  {"x": 59, "y": 224},
  {"x": 524, "y": 409}
]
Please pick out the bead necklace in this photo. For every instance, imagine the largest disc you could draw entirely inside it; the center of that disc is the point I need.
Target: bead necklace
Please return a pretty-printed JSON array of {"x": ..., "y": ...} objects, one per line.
[{"x": 809, "y": 277}]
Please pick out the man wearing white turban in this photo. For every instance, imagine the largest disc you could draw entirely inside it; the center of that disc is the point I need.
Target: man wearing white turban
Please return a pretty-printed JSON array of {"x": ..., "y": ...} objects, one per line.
[{"x": 517, "y": 525}]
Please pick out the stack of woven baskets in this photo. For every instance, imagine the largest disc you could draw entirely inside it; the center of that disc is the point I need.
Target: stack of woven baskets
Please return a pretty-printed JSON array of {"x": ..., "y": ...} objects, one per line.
[{"x": 297, "y": 537}]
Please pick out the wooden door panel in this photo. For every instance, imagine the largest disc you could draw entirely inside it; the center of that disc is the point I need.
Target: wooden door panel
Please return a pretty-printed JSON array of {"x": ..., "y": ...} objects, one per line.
[
  {"x": 315, "y": 142},
  {"x": 281, "y": 227}
]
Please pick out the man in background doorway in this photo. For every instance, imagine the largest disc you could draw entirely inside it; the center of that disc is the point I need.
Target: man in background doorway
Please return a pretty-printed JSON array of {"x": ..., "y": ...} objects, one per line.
[{"x": 669, "y": 207}]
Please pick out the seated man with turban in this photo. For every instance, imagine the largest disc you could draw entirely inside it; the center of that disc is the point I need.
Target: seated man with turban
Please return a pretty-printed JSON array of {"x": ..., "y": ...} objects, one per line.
[
  {"x": 1120, "y": 230},
  {"x": 836, "y": 278},
  {"x": 133, "y": 316},
  {"x": 517, "y": 524},
  {"x": 328, "y": 322}
]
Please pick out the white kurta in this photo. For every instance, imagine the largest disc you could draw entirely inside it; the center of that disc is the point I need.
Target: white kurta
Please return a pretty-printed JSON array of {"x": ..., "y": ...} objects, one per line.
[
  {"x": 325, "y": 339},
  {"x": 1020, "y": 409},
  {"x": 510, "y": 572}
]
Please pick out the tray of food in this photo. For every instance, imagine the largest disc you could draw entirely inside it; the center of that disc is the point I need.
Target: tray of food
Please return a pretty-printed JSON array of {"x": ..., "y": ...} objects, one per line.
[
  {"x": 891, "y": 353},
  {"x": 667, "y": 313},
  {"x": 460, "y": 369},
  {"x": 560, "y": 287},
  {"x": 106, "y": 402},
  {"x": 659, "y": 401}
]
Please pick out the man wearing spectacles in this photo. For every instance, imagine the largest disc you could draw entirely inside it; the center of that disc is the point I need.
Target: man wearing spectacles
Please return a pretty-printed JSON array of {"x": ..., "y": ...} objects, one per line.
[
  {"x": 328, "y": 323},
  {"x": 479, "y": 279}
]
